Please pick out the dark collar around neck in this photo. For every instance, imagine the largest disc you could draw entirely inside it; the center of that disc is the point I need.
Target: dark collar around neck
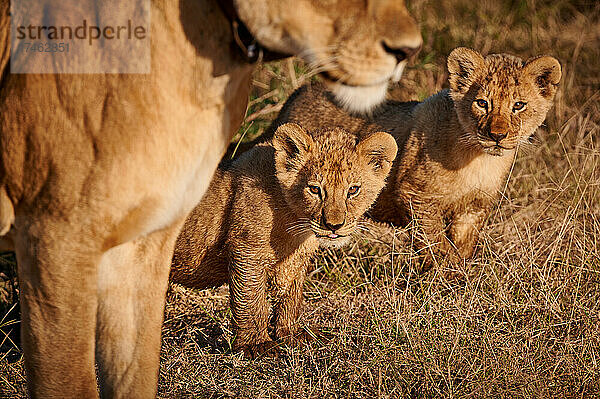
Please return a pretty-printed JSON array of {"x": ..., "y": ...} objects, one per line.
[{"x": 250, "y": 49}]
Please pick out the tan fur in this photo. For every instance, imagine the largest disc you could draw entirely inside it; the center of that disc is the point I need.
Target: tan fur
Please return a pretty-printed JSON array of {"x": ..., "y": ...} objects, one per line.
[
  {"x": 449, "y": 171},
  {"x": 259, "y": 222},
  {"x": 101, "y": 170},
  {"x": 345, "y": 37}
]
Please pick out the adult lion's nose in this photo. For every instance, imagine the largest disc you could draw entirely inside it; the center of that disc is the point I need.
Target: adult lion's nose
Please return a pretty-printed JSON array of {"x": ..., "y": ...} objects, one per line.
[{"x": 401, "y": 53}]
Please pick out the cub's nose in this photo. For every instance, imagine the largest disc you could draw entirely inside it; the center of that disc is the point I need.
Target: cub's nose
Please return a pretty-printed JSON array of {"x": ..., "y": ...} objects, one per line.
[
  {"x": 333, "y": 226},
  {"x": 498, "y": 128},
  {"x": 401, "y": 53},
  {"x": 497, "y": 136}
]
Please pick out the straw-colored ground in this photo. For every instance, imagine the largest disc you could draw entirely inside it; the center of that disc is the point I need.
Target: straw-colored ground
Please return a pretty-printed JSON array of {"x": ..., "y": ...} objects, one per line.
[{"x": 523, "y": 320}]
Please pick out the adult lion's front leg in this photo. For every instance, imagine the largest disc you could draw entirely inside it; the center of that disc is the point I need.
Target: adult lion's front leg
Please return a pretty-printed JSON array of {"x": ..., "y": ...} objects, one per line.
[
  {"x": 57, "y": 276},
  {"x": 115, "y": 306},
  {"x": 132, "y": 282}
]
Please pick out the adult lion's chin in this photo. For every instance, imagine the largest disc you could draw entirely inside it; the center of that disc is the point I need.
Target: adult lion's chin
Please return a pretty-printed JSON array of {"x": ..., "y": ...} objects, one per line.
[
  {"x": 358, "y": 99},
  {"x": 362, "y": 99}
]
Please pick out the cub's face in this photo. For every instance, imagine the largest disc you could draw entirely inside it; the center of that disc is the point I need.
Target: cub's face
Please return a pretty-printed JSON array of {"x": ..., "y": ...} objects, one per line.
[
  {"x": 359, "y": 45},
  {"x": 500, "y": 99},
  {"x": 330, "y": 179}
]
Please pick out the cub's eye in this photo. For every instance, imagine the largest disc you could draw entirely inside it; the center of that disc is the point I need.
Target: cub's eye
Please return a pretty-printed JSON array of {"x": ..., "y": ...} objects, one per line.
[
  {"x": 519, "y": 105},
  {"x": 314, "y": 189},
  {"x": 353, "y": 190},
  {"x": 481, "y": 103}
]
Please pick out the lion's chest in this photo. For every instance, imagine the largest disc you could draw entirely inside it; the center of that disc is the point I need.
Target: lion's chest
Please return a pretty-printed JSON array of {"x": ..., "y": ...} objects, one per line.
[
  {"x": 431, "y": 183},
  {"x": 482, "y": 178},
  {"x": 287, "y": 269}
]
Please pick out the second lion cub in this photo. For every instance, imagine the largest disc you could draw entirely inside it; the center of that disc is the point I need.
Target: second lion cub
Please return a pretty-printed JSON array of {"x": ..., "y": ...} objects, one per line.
[
  {"x": 456, "y": 147},
  {"x": 266, "y": 213}
]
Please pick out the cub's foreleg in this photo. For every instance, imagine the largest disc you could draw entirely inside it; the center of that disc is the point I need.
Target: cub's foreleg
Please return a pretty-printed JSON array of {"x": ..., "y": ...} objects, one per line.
[
  {"x": 430, "y": 240},
  {"x": 249, "y": 306},
  {"x": 289, "y": 305},
  {"x": 465, "y": 228}
]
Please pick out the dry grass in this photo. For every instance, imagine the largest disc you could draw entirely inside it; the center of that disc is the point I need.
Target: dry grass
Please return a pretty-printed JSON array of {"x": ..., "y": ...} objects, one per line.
[{"x": 524, "y": 318}]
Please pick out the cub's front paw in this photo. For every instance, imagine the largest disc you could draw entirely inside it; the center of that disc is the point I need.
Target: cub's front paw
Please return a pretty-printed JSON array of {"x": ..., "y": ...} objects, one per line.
[{"x": 254, "y": 351}]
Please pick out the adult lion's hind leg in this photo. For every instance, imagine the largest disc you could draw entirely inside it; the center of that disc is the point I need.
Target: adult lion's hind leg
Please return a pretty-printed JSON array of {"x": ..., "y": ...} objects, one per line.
[{"x": 132, "y": 283}]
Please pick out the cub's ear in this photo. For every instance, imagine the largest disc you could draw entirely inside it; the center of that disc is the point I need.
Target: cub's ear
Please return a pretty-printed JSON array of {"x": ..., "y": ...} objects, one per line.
[
  {"x": 546, "y": 73},
  {"x": 291, "y": 143},
  {"x": 464, "y": 66},
  {"x": 380, "y": 150}
]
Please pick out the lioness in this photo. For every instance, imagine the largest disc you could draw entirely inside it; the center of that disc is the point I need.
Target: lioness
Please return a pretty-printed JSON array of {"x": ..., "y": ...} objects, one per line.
[
  {"x": 456, "y": 147},
  {"x": 98, "y": 171},
  {"x": 265, "y": 214}
]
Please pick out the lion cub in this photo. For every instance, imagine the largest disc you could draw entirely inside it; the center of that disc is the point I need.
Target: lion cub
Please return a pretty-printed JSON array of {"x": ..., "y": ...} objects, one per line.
[
  {"x": 456, "y": 147},
  {"x": 267, "y": 212}
]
